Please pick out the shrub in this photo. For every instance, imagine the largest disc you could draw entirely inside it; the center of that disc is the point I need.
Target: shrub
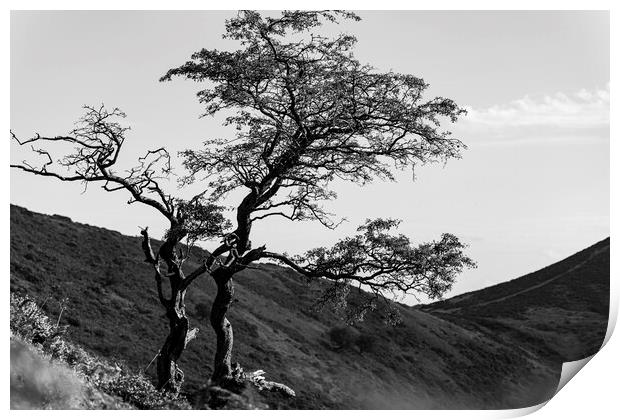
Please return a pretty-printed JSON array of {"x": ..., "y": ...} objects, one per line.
[
  {"x": 138, "y": 390},
  {"x": 343, "y": 337},
  {"x": 30, "y": 323},
  {"x": 346, "y": 337},
  {"x": 366, "y": 343}
]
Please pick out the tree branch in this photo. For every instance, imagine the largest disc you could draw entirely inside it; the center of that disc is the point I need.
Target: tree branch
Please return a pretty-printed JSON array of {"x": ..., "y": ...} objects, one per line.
[
  {"x": 146, "y": 247},
  {"x": 154, "y": 261},
  {"x": 97, "y": 141},
  {"x": 203, "y": 268},
  {"x": 385, "y": 262}
]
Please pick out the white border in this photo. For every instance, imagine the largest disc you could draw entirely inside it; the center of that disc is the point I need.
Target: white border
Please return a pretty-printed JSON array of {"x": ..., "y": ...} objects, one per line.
[{"x": 592, "y": 394}]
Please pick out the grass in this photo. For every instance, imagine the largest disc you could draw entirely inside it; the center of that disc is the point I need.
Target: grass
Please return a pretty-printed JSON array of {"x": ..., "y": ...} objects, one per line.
[
  {"x": 501, "y": 357},
  {"x": 70, "y": 370},
  {"x": 563, "y": 320}
]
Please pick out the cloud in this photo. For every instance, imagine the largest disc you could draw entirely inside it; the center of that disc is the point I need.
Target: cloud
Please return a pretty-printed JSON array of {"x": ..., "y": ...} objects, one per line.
[{"x": 579, "y": 116}]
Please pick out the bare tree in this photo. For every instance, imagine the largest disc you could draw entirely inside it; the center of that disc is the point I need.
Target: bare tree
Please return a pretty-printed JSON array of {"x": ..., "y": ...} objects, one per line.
[
  {"x": 89, "y": 154},
  {"x": 306, "y": 113}
]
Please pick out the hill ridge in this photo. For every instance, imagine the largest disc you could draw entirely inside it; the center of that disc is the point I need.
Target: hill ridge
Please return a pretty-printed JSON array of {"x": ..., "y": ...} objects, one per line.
[{"x": 596, "y": 249}]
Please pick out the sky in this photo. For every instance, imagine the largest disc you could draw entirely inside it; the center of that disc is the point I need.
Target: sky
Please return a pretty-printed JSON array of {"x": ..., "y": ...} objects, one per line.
[{"x": 531, "y": 189}]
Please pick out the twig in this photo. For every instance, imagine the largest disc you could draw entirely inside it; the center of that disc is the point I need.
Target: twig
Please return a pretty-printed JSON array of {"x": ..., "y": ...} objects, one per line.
[
  {"x": 63, "y": 305},
  {"x": 147, "y": 366}
]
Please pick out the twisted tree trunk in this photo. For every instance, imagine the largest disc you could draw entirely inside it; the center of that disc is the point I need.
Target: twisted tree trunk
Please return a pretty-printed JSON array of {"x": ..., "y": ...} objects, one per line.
[
  {"x": 222, "y": 370},
  {"x": 223, "y": 330},
  {"x": 169, "y": 375}
]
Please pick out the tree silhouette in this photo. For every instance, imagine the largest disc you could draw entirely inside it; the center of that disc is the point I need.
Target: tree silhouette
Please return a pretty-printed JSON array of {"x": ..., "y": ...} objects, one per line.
[
  {"x": 94, "y": 147},
  {"x": 306, "y": 113}
]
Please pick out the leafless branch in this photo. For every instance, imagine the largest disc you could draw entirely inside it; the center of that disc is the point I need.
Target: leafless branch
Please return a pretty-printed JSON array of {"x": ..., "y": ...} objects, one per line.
[{"x": 96, "y": 142}]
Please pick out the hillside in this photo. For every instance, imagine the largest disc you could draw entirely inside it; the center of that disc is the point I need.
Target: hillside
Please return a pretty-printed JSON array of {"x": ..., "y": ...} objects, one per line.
[
  {"x": 37, "y": 382},
  {"x": 562, "y": 309},
  {"x": 48, "y": 371},
  {"x": 501, "y": 347}
]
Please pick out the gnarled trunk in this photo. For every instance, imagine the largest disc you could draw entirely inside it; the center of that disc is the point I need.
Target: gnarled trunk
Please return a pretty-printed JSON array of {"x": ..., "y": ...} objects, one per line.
[
  {"x": 223, "y": 330},
  {"x": 169, "y": 375}
]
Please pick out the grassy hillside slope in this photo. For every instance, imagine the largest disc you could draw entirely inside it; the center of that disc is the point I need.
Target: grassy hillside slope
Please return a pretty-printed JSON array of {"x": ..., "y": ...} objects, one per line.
[
  {"x": 561, "y": 309},
  {"x": 50, "y": 372},
  {"x": 40, "y": 383},
  {"x": 434, "y": 359}
]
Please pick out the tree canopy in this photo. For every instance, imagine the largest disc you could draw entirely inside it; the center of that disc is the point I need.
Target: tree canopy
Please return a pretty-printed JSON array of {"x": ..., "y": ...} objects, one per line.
[{"x": 306, "y": 113}]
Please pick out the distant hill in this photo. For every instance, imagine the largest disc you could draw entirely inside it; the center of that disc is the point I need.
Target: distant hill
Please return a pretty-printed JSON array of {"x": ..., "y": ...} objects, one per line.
[
  {"x": 500, "y": 347},
  {"x": 561, "y": 309}
]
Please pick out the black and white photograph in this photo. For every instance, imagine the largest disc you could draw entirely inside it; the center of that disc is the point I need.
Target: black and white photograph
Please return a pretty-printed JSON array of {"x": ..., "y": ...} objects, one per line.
[{"x": 306, "y": 209}]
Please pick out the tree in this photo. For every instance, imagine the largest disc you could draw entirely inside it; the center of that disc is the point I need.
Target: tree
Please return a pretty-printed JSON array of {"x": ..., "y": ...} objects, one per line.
[
  {"x": 306, "y": 113},
  {"x": 95, "y": 145}
]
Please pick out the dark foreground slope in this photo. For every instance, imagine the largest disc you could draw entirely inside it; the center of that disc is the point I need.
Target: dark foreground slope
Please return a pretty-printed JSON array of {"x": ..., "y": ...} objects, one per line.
[{"x": 447, "y": 355}]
